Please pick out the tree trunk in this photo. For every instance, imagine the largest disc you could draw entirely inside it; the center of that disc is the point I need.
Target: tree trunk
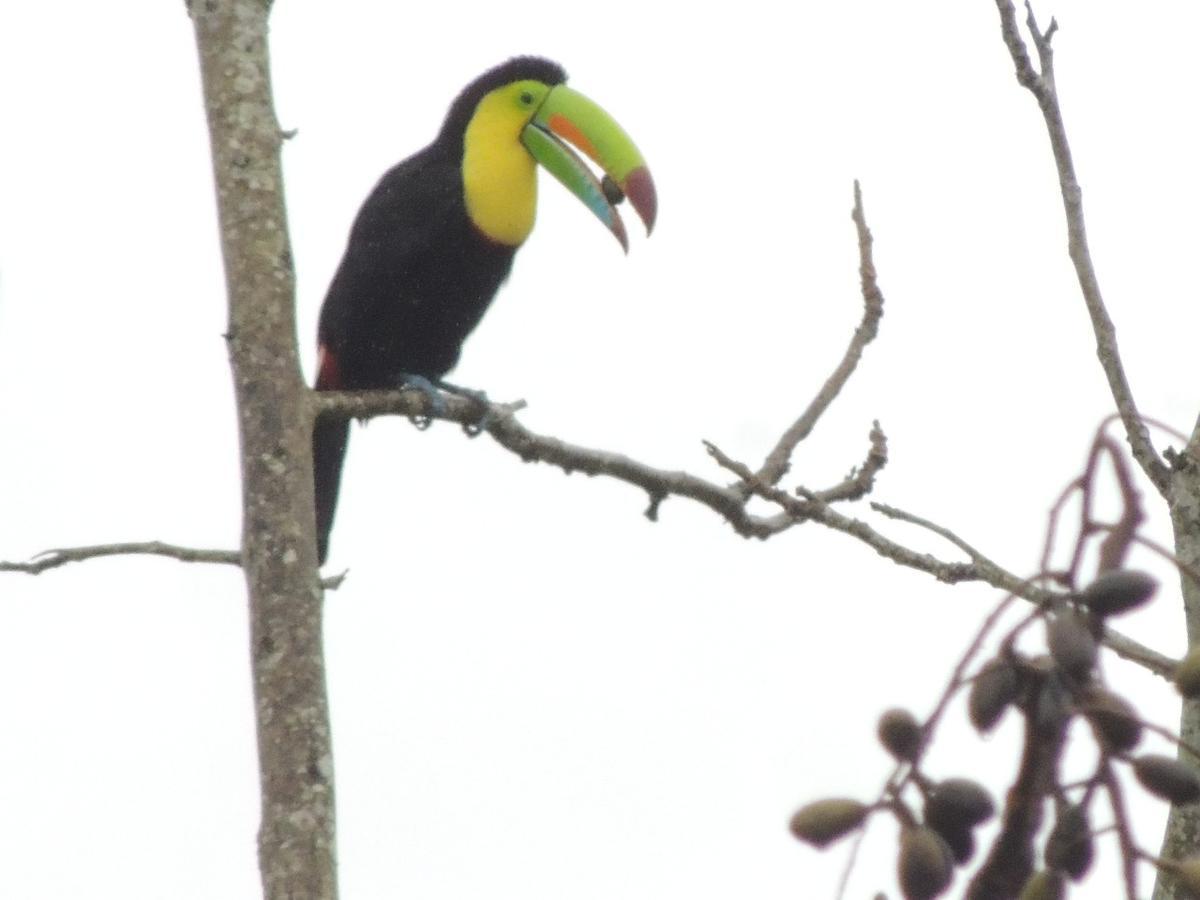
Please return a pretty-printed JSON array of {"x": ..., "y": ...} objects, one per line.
[
  {"x": 1182, "y": 837},
  {"x": 296, "y": 836}
]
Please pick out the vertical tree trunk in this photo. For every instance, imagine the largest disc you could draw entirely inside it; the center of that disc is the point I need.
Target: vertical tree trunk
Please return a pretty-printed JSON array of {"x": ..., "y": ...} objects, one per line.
[
  {"x": 1182, "y": 837},
  {"x": 296, "y": 837}
]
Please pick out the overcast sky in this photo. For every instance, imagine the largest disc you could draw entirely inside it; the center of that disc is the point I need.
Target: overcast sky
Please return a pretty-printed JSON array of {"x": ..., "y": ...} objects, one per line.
[{"x": 536, "y": 692}]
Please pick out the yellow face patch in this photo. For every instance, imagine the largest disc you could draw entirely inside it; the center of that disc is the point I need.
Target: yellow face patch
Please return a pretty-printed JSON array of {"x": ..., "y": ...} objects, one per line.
[{"x": 499, "y": 175}]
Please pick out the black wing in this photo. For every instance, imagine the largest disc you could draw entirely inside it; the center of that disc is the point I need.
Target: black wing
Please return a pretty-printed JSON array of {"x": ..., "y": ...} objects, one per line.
[{"x": 387, "y": 277}]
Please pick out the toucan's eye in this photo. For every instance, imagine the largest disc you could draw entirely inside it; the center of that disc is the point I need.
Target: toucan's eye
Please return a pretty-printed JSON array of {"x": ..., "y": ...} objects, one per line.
[{"x": 526, "y": 98}]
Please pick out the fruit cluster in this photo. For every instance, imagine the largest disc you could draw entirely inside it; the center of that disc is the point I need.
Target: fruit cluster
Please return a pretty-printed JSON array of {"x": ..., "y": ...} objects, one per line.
[{"x": 1049, "y": 691}]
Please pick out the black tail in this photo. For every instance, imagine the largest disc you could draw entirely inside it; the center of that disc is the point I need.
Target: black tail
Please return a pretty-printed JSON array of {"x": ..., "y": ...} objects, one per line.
[{"x": 330, "y": 436}]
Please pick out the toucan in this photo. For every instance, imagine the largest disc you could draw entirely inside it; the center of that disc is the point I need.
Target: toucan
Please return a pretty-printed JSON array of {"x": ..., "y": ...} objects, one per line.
[{"x": 435, "y": 238}]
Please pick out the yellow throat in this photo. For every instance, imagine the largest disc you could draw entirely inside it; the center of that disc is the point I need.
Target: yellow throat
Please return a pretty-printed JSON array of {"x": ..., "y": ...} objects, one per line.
[{"x": 499, "y": 175}]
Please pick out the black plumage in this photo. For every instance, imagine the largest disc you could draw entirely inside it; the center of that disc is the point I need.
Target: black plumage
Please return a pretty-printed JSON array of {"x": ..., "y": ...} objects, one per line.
[{"x": 416, "y": 278}]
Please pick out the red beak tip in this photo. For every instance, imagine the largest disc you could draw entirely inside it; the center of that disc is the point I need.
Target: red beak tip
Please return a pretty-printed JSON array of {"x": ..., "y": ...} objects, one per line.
[{"x": 639, "y": 189}]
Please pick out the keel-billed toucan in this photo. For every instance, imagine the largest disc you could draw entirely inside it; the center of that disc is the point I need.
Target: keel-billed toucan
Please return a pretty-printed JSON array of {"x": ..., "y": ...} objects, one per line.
[{"x": 435, "y": 239}]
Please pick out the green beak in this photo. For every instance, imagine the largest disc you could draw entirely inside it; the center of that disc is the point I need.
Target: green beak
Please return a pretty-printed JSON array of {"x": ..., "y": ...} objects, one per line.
[{"x": 567, "y": 115}]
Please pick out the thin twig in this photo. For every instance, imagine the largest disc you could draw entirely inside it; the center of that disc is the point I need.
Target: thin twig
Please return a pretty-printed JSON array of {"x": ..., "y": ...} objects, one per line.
[
  {"x": 810, "y": 508},
  {"x": 895, "y": 783},
  {"x": 901, "y": 515},
  {"x": 1063, "y": 578},
  {"x": 1118, "y": 537},
  {"x": 861, "y": 480},
  {"x": 1115, "y": 545},
  {"x": 1171, "y": 736},
  {"x": 1155, "y": 547},
  {"x": 1123, "y": 646},
  {"x": 1129, "y": 851},
  {"x": 1169, "y": 430},
  {"x": 1087, "y": 526},
  {"x": 501, "y": 423},
  {"x": 776, "y": 464},
  {"x": 52, "y": 559},
  {"x": 728, "y": 502},
  {"x": 958, "y": 676},
  {"x": 851, "y": 859},
  {"x": 1041, "y": 85},
  {"x": 1132, "y": 651}
]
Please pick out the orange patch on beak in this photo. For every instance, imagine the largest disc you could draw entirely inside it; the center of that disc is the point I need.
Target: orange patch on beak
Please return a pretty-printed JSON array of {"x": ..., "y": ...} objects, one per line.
[{"x": 565, "y": 128}]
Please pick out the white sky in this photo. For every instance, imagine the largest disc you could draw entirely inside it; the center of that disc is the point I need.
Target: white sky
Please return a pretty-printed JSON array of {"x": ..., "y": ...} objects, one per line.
[{"x": 537, "y": 693}]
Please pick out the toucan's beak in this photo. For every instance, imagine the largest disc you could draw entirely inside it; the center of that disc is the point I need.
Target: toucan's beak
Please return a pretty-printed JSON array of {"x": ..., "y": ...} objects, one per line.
[{"x": 567, "y": 115}]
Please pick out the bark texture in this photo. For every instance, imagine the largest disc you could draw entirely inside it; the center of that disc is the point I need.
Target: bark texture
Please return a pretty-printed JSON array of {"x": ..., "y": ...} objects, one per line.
[
  {"x": 296, "y": 837},
  {"x": 1182, "y": 838}
]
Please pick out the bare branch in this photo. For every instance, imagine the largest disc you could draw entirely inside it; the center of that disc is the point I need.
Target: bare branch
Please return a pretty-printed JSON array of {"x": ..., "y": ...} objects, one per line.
[
  {"x": 1173, "y": 737},
  {"x": 776, "y": 464},
  {"x": 52, "y": 559},
  {"x": 468, "y": 412},
  {"x": 901, "y": 516},
  {"x": 499, "y": 421},
  {"x": 1190, "y": 571},
  {"x": 1041, "y": 85},
  {"x": 861, "y": 480},
  {"x": 1123, "y": 646},
  {"x": 1115, "y": 545},
  {"x": 810, "y": 507},
  {"x": 1134, "y": 652},
  {"x": 1129, "y": 851},
  {"x": 728, "y": 502}
]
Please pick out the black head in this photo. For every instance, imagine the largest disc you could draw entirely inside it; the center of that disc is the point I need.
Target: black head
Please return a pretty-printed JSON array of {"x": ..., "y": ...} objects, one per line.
[{"x": 518, "y": 68}]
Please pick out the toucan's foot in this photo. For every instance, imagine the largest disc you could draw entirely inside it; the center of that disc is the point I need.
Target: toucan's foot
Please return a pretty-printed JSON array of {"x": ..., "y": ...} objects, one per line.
[
  {"x": 485, "y": 419},
  {"x": 429, "y": 390}
]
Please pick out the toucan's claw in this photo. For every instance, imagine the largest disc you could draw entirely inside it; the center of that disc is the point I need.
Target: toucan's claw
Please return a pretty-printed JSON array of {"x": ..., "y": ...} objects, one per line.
[
  {"x": 427, "y": 389},
  {"x": 476, "y": 428},
  {"x": 431, "y": 389}
]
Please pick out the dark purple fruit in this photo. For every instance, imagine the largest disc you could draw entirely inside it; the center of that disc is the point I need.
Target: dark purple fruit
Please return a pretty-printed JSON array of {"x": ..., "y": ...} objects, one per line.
[
  {"x": 1166, "y": 777},
  {"x": 993, "y": 690},
  {"x": 1118, "y": 591},
  {"x": 1115, "y": 722},
  {"x": 900, "y": 733},
  {"x": 961, "y": 842},
  {"x": 958, "y": 803},
  {"x": 1071, "y": 644},
  {"x": 1069, "y": 848},
  {"x": 925, "y": 864},
  {"x": 823, "y": 822},
  {"x": 1052, "y": 705}
]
